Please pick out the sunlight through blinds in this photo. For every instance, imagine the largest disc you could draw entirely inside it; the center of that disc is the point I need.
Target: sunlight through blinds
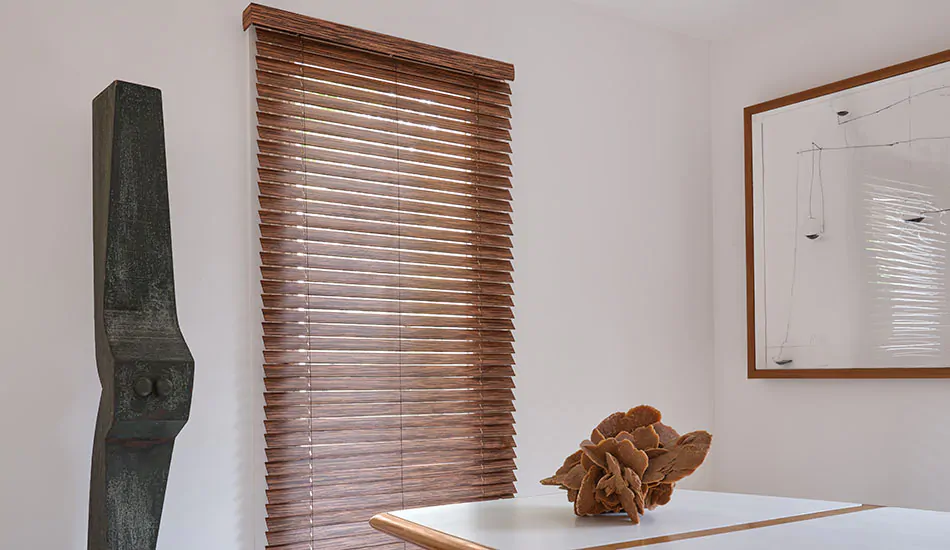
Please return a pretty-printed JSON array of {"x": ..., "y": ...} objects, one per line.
[{"x": 386, "y": 264}]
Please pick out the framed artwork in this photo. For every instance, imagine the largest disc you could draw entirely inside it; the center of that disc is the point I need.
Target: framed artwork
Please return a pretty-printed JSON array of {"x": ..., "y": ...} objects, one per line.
[{"x": 848, "y": 227}]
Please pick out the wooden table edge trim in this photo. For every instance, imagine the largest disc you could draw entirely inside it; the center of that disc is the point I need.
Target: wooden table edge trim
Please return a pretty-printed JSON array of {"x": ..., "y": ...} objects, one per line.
[
  {"x": 734, "y": 528},
  {"x": 421, "y": 535},
  {"x": 432, "y": 539}
]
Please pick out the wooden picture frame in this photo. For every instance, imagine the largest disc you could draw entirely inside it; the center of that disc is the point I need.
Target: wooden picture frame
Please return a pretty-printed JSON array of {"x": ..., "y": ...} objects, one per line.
[{"x": 751, "y": 333}]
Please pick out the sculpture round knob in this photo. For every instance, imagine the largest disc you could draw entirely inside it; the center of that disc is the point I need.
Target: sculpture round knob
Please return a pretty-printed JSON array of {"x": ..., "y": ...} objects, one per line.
[
  {"x": 163, "y": 387},
  {"x": 143, "y": 387}
]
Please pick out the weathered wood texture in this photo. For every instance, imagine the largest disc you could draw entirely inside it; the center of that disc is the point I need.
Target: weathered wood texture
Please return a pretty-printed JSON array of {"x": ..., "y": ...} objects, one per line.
[{"x": 145, "y": 367}]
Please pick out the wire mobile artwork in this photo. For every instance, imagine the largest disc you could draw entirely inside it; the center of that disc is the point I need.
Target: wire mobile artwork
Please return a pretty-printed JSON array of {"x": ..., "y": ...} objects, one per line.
[{"x": 847, "y": 187}]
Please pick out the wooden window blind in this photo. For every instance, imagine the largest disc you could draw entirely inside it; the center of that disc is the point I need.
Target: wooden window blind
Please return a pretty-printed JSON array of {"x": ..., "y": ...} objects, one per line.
[{"x": 384, "y": 186}]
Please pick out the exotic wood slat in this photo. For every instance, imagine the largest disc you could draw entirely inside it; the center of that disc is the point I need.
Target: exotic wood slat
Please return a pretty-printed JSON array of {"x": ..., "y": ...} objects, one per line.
[
  {"x": 392, "y": 152},
  {"x": 278, "y": 73},
  {"x": 330, "y": 166},
  {"x": 358, "y": 58},
  {"x": 383, "y": 461},
  {"x": 310, "y": 113},
  {"x": 434, "y": 190},
  {"x": 315, "y": 261},
  {"x": 377, "y": 241},
  {"x": 382, "y": 293},
  {"x": 341, "y": 478},
  {"x": 397, "y": 203},
  {"x": 409, "y": 333},
  {"x": 283, "y": 67},
  {"x": 384, "y": 176},
  {"x": 328, "y": 129},
  {"x": 460, "y": 420},
  {"x": 397, "y": 485},
  {"x": 358, "y": 371},
  {"x": 397, "y": 116},
  {"x": 410, "y": 162},
  {"x": 370, "y": 400},
  {"x": 374, "y": 318},
  {"x": 339, "y": 438}
]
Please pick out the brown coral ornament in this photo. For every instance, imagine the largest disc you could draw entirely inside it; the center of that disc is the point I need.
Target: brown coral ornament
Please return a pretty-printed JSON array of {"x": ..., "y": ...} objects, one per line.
[{"x": 631, "y": 463}]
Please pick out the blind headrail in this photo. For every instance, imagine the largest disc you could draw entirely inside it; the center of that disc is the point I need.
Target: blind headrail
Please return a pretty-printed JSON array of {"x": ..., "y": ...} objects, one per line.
[{"x": 281, "y": 20}]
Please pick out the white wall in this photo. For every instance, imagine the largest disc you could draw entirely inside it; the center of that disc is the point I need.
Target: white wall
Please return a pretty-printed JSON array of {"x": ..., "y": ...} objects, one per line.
[
  {"x": 875, "y": 441},
  {"x": 612, "y": 213}
]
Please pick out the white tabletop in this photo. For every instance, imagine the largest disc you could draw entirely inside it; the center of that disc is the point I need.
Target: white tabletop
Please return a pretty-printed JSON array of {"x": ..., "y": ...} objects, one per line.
[
  {"x": 549, "y": 522},
  {"x": 881, "y": 529}
]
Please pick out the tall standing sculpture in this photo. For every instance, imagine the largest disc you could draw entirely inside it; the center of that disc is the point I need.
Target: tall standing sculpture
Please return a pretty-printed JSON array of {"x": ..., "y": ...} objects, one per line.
[{"x": 145, "y": 367}]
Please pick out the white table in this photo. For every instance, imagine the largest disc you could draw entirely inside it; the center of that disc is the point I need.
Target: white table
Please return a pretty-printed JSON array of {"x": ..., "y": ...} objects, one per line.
[
  {"x": 880, "y": 529},
  {"x": 693, "y": 520}
]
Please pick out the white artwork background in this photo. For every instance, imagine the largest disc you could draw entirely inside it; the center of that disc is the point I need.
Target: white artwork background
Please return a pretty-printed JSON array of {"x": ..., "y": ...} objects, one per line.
[{"x": 857, "y": 168}]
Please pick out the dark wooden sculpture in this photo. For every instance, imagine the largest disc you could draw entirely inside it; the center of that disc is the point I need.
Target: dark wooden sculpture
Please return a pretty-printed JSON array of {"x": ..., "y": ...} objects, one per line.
[{"x": 145, "y": 368}]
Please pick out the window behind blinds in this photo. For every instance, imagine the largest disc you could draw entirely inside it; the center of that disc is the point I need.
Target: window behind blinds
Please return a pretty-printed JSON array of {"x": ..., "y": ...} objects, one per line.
[{"x": 386, "y": 275}]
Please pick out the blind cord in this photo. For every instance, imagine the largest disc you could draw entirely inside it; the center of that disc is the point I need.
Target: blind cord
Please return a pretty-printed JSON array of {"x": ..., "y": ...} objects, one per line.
[
  {"x": 402, "y": 437},
  {"x": 478, "y": 338},
  {"x": 306, "y": 194}
]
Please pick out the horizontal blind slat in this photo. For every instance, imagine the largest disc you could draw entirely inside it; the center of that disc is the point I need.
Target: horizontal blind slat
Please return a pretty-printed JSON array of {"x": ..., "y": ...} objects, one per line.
[
  {"x": 276, "y": 259},
  {"x": 301, "y": 82},
  {"x": 406, "y": 333},
  {"x": 393, "y": 502},
  {"x": 374, "y": 486},
  {"x": 354, "y": 371},
  {"x": 300, "y": 60},
  {"x": 332, "y": 236},
  {"x": 326, "y": 222},
  {"x": 374, "y": 168},
  {"x": 402, "y": 204},
  {"x": 333, "y": 168},
  {"x": 440, "y": 190},
  {"x": 444, "y": 128},
  {"x": 481, "y": 419},
  {"x": 317, "y": 357},
  {"x": 322, "y": 399},
  {"x": 384, "y": 61},
  {"x": 308, "y": 184},
  {"x": 316, "y": 80},
  {"x": 368, "y": 465},
  {"x": 284, "y": 120},
  {"x": 276, "y": 315},
  {"x": 276, "y": 441},
  {"x": 367, "y": 538},
  {"x": 317, "y": 248},
  {"x": 403, "y": 447},
  {"x": 305, "y": 112},
  {"x": 373, "y": 216},
  {"x": 488, "y": 471},
  {"x": 472, "y": 162},
  {"x": 383, "y": 293},
  {"x": 386, "y": 409},
  {"x": 291, "y": 343},
  {"x": 301, "y": 384},
  {"x": 303, "y": 274},
  {"x": 313, "y": 303}
]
